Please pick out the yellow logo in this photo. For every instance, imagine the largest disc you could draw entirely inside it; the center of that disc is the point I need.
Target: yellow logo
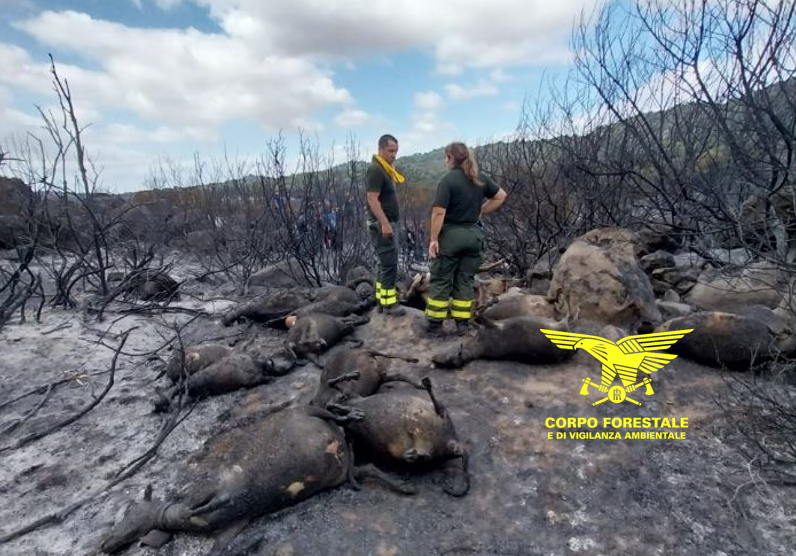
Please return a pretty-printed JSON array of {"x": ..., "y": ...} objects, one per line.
[{"x": 624, "y": 358}]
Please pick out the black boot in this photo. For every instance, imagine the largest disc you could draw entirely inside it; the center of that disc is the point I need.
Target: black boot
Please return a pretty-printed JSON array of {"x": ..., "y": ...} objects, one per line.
[
  {"x": 434, "y": 328},
  {"x": 463, "y": 328},
  {"x": 394, "y": 310}
]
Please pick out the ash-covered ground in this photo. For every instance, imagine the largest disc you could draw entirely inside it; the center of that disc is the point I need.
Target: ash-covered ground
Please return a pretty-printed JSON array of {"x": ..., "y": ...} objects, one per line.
[{"x": 529, "y": 496}]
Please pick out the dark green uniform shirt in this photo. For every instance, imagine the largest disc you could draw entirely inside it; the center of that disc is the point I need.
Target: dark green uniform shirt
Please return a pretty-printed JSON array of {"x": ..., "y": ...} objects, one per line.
[
  {"x": 461, "y": 198},
  {"x": 377, "y": 180}
]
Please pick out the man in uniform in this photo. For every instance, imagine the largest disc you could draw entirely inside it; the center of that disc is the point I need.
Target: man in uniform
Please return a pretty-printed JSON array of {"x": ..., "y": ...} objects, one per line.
[{"x": 383, "y": 214}]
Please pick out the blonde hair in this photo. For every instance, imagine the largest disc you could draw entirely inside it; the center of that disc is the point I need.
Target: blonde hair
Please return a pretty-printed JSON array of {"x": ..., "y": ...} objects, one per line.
[{"x": 464, "y": 159}]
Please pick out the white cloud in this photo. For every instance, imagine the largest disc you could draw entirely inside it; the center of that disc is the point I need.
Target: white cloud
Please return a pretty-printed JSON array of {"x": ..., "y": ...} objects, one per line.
[
  {"x": 426, "y": 123},
  {"x": 450, "y": 70},
  {"x": 352, "y": 118},
  {"x": 482, "y": 89},
  {"x": 270, "y": 64},
  {"x": 126, "y": 134},
  {"x": 176, "y": 78},
  {"x": 13, "y": 121},
  {"x": 428, "y": 100},
  {"x": 27, "y": 75},
  {"x": 265, "y": 66},
  {"x": 462, "y": 33}
]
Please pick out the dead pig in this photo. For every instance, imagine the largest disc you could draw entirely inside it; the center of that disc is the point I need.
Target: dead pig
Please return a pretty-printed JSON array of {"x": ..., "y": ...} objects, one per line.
[
  {"x": 233, "y": 372},
  {"x": 356, "y": 372},
  {"x": 515, "y": 339},
  {"x": 267, "y": 308},
  {"x": 410, "y": 428},
  {"x": 246, "y": 472},
  {"x": 334, "y": 293},
  {"x": 724, "y": 339},
  {"x": 520, "y": 306},
  {"x": 193, "y": 359},
  {"x": 317, "y": 333},
  {"x": 332, "y": 307}
]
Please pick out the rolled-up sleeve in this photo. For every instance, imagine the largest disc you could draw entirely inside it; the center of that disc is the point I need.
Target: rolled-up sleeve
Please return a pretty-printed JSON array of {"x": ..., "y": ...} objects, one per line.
[
  {"x": 490, "y": 188},
  {"x": 443, "y": 195},
  {"x": 373, "y": 180}
]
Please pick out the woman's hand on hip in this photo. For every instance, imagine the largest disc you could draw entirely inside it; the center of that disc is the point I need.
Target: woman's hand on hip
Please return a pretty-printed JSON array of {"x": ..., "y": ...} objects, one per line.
[{"x": 433, "y": 249}]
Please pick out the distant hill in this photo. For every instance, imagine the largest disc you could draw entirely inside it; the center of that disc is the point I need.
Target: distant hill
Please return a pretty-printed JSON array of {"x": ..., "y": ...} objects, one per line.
[{"x": 424, "y": 170}]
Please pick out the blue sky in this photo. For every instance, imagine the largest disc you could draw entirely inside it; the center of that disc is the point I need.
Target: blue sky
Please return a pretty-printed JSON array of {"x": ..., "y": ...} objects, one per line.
[{"x": 164, "y": 79}]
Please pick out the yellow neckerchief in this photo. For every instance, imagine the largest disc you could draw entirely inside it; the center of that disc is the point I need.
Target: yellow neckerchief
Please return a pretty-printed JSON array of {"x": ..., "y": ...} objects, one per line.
[{"x": 392, "y": 172}]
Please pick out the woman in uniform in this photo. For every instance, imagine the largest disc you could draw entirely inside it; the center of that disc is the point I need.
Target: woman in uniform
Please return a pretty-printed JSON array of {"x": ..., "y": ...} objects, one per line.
[{"x": 463, "y": 197}]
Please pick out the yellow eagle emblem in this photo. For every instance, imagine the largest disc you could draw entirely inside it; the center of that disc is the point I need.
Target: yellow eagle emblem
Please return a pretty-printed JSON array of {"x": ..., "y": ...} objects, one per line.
[{"x": 625, "y": 358}]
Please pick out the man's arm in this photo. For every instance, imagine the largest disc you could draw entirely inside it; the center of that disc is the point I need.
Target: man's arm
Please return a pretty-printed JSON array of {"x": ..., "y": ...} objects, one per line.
[
  {"x": 378, "y": 212},
  {"x": 494, "y": 203},
  {"x": 437, "y": 219}
]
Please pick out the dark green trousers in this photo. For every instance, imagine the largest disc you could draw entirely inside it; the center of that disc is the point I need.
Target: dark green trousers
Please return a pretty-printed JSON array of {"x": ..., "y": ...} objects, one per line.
[
  {"x": 453, "y": 272},
  {"x": 387, "y": 253}
]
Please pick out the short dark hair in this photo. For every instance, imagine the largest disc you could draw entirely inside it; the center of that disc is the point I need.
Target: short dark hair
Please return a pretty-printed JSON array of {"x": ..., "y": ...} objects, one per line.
[{"x": 385, "y": 139}]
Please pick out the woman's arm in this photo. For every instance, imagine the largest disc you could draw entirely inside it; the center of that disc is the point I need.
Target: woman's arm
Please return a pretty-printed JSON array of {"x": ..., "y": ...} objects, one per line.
[
  {"x": 494, "y": 203},
  {"x": 437, "y": 218}
]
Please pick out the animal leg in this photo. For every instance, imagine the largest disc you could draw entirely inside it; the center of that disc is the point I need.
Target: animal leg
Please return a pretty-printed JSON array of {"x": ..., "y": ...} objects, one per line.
[
  {"x": 211, "y": 505},
  {"x": 375, "y": 353},
  {"x": 356, "y": 343},
  {"x": 162, "y": 400},
  {"x": 398, "y": 377},
  {"x": 317, "y": 345},
  {"x": 438, "y": 407},
  {"x": 486, "y": 322},
  {"x": 346, "y": 413},
  {"x": 353, "y": 375},
  {"x": 456, "y": 481},
  {"x": 155, "y": 538},
  {"x": 356, "y": 320},
  {"x": 370, "y": 471},
  {"x": 291, "y": 351},
  {"x": 314, "y": 360},
  {"x": 481, "y": 308},
  {"x": 351, "y": 473},
  {"x": 139, "y": 519}
]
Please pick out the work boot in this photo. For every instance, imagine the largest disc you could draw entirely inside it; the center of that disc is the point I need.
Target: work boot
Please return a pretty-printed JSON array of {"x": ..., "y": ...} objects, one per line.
[
  {"x": 433, "y": 328},
  {"x": 463, "y": 328},
  {"x": 394, "y": 310}
]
